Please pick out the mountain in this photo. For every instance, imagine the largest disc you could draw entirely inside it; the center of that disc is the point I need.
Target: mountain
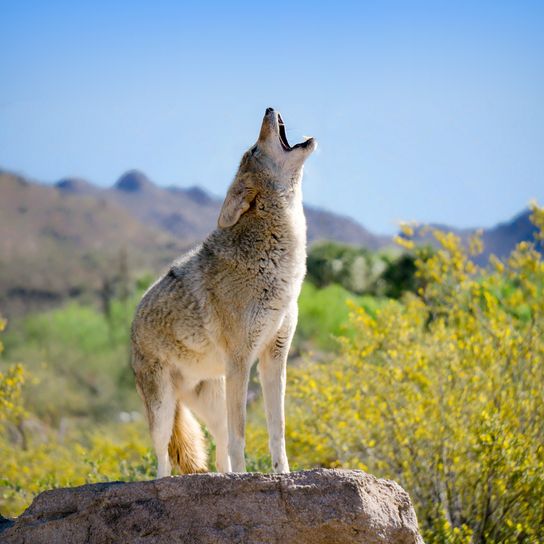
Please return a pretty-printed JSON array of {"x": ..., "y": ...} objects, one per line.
[
  {"x": 189, "y": 215},
  {"x": 74, "y": 238},
  {"x": 324, "y": 225},
  {"x": 76, "y": 186},
  {"x": 63, "y": 241},
  {"x": 499, "y": 240}
]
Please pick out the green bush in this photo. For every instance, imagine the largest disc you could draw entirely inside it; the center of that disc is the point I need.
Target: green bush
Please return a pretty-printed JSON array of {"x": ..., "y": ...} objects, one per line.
[
  {"x": 323, "y": 315},
  {"x": 385, "y": 273}
]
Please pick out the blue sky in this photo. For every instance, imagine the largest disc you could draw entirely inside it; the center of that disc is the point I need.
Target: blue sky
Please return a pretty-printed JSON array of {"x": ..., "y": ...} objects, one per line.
[{"x": 429, "y": 111}]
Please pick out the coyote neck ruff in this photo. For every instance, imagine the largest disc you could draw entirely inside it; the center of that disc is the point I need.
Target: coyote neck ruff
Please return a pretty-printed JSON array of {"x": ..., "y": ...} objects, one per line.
[{"x": 199, "y": 328}]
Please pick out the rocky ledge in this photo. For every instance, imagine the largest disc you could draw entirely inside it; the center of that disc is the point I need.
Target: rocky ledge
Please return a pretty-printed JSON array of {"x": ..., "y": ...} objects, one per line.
[{"x": 313, "y": 507}]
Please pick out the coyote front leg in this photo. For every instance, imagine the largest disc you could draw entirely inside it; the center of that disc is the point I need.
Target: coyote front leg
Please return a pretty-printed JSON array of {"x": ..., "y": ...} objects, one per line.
[
  {"x": 272, "y": 372},
  {"x": 237, "y": 381}
]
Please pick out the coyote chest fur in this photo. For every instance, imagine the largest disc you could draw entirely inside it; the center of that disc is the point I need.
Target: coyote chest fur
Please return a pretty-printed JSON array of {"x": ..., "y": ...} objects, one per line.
[
  {"x": 230, "y": 294},
  {"x": 199, "y": 328}
]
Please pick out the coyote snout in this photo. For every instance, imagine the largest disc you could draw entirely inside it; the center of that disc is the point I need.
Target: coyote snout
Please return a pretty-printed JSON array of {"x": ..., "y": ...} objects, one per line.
[{"x": 201, "y": 326}]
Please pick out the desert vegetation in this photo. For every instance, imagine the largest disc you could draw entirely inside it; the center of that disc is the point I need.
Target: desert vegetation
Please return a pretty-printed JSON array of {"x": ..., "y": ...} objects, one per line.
[{"x": 416, "y": 365}]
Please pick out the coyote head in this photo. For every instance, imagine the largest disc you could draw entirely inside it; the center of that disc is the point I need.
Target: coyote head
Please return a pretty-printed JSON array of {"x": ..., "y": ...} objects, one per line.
[{"x": 271, "y": 167}]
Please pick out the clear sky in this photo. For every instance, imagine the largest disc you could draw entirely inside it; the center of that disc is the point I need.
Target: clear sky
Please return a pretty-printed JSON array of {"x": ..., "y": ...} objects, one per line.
[{"x": 429, "y": 111}]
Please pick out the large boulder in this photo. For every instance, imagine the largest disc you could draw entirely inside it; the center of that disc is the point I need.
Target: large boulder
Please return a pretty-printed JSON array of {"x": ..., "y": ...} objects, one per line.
[{"x": 313, "y": 507}]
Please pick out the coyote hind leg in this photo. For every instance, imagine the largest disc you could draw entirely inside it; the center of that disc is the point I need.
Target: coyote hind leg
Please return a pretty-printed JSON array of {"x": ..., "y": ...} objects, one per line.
[
  {"x": 155, "y": 387},
  {"x": 208, "y": 401}
]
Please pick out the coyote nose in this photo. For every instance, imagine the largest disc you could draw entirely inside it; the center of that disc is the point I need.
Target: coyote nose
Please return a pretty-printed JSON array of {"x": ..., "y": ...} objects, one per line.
[{"x": 269, "y": 110}]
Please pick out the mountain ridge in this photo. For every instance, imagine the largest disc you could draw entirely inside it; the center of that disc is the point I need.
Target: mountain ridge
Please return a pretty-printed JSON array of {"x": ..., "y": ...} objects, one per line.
[
  {"x": 162, "y": 207},
  {"x": 71, "y": 238},
  {"x": 498, "y": 240}
]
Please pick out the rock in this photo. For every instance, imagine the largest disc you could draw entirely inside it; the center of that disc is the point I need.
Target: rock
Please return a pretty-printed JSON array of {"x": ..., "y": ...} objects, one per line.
[
  {"x": 76, "y": 186},
  {"x": 133, "y": 181},
  {"x": 313, "y": 507}
]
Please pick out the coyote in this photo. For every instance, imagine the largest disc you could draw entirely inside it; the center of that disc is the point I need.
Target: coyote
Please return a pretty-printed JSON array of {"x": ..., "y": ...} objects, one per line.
[{"x": 198, "y": 330}]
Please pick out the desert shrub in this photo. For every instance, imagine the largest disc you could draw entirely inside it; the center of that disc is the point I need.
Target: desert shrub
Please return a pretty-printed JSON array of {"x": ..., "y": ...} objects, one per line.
[
  {"x": 400, "y": 274},
  {"x": 79, "y": 359},
  {"x": 36, "y": 456},
  {"x": 88, "y": 455},
  {"x": 12, "y": 380},
  {"x": 386, "y": 273},
  {"x": 443, "y": 393},
  {"x": 11, "y": 385},
  {"x": 323, "y": 315},
  {"x": 355, "y": 268}
]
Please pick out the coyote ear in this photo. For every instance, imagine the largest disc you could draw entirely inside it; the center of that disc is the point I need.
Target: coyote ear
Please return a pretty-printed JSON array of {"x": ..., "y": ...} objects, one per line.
[{"x": 238, "y": 200}]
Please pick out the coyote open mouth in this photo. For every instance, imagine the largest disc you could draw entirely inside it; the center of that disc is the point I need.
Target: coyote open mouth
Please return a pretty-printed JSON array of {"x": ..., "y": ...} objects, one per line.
[{"x": 283, "y": 137}]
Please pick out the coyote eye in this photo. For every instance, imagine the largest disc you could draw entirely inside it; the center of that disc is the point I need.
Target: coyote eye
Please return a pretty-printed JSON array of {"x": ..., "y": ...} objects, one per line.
[{"x": 253, "y": 149}]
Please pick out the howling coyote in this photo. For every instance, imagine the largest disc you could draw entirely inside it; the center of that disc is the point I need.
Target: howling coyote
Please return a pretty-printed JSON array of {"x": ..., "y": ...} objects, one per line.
[{"x": 199, "y": 328}]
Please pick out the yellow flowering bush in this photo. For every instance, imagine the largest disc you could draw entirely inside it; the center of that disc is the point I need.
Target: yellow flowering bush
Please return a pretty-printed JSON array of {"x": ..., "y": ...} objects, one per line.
[
  {"x": 11, "y": 384},
  {"x": 443, "y": 392},
  {"x": 112, "y": 452},
  {"x": 36, "y": 457}
]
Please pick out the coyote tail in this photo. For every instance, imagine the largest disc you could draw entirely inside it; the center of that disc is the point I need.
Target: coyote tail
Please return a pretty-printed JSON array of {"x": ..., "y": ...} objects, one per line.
[{"x": 186, "y": 447}]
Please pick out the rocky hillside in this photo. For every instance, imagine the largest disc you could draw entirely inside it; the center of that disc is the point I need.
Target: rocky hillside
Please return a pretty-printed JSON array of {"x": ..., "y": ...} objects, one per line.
[
  {"x": 190, "y": 214},
  {"x": 74, "y": 238},
  {"x": 313, "y": 507},
  {"x": 55, "y": 243}
]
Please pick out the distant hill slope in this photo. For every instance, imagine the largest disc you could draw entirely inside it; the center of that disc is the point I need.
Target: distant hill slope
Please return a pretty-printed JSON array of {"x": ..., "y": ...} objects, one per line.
[
  {"x": 324, "y": 225},
  {"x": 77, "y": 239},
  {"x": 187, "y": 214},
  {"x": 70, "y": 238},
  {"x": 54, "y": 244},
  {"x": 190, "y": 214},
  {"x": 499, "y": 240}
]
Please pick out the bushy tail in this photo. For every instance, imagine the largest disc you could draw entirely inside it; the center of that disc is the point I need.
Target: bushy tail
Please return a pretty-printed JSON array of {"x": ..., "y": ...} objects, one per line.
[{"x": 186, "y": 448}]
